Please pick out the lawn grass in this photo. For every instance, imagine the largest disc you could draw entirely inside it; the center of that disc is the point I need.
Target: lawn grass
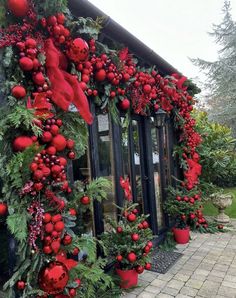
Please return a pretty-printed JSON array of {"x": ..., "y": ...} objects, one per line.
[{"x": 210, "y": 210}]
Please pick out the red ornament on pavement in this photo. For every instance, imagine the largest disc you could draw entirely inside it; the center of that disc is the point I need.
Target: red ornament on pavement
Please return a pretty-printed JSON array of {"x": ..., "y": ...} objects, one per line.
[
  {"x": 19, "y": 8},
  {"x": 53, "y": 278}
]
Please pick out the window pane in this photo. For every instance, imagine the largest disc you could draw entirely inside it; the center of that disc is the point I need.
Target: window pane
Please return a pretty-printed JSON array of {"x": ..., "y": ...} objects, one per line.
[{"x": 106, "y": 163}]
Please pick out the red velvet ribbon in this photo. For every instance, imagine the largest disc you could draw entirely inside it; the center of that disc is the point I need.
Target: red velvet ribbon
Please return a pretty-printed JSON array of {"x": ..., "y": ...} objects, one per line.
[{"x": 64, "y": 86}]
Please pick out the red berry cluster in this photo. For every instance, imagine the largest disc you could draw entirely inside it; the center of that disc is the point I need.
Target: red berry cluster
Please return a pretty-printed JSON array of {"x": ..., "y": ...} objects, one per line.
[{"x": 187, "y": 199}]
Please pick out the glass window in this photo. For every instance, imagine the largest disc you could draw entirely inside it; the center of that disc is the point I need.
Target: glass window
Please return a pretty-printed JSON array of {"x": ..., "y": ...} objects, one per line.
[
  {"x": 157, "y": 179},
  {"x": 106, "y": 163}
]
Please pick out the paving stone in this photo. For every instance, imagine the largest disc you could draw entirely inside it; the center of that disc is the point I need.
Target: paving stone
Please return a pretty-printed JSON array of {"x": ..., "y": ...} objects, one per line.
[
  {"x": 194, "y": 283},
  {"x": 209, "y": 289},
  {"x": 176, "y": 284},
  {"x": 152, "y": 289},
  {"x": 217, "y": 273},
  {"x": 231, "y": 271},
  {"x": 206, "y": 266},
  {"x": 202, "y": 272},
  {"x": 231, "y": 278},
  {"x": 227, "y": 292},
  {"x": 163, "y": 295},
  {"x": 170, "y": 291},
  {"x": 223, "y": 268},
  {"x": 229, "y": 284},
  {"x": 167, "y": 276},
  {"x": 182, "y": 296},
  {"x": 199, "y": 277},
  {"x": 159, "y": 283},
  {"x": 146, "y": 295},
  {"x": 129, "y": 295},
  {"x": 189, "y": 291},
  {"x": 182, "y": 277},
  {"x": 215, "y": 278}
]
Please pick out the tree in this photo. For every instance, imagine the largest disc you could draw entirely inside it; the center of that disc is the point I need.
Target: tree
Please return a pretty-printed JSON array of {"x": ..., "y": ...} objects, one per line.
[{"x": 221, "y": 74}]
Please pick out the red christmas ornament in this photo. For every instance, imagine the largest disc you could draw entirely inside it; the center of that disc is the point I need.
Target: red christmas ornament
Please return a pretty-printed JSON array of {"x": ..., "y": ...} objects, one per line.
[
  {"x": 71, "y": 155},
  {"x": 100, "y": 75},
  {"x": 56, "y": 218},
  {"x": 18, "y": 92},
  {"x": 67, "y": 240},
  {"x": 135, "y": 237},
  {"x": 53, "y": 278},
  {"x": 132, "y": 257},
  {"x": 145, "y": 224},
  {"x": 72, "y": 212},
  {"x": 3, "y": 209},
  {"x": 54, "y": 129},
  {"x": 78, "y": 50},
  {"x": 119, "y": 229},
  {"x": 47, "y": 250},
  {"x": 131, "y": 217},
  {"x": 39, "y": 79},
  {"x": 125, "y": 104},
  {"x": 51, "y": 150},
  {"x": 75, "y": 251},
  {"x": 59, "y": 226},
  {"x": 21, "y": 143},
  {"x": 148, "y": 266},
  {"x": 49, "y": 227},
  {"x": 70, "y": 144},
  {"x": 30, "y": 43},
  {"x": 85, "y": 200},
  {"x": 63, "y": 161},
  {"x": 20, "y": 285},
  {"x": 59, "y": 142},
  {"x": 72, "y": 292},
  {"x": 26, "y": 64},
  {"x": 139, "y": 269},
  {"x": 46, "y": 137},
  {"x": 18, "y": 7},
  {"x": 47, "y": 217},
  {"x": 119, "y": 258}
]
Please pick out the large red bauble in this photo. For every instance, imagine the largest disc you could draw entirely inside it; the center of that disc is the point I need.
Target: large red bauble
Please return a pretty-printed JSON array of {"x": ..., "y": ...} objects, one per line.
[
  {"x": 125, "y": 104},
  {"x": 3, "y": 209},
  {"x": 132, "y": 257},
  {"x": 22, "y": 142},
  {"x": 18, "y": 7},
  {"x": 18, "y": 91},
  {"x": 78, "y": 50},
  {"x": 53, "y": 278},
  {"x": 59, "y": 142},
  {"x": 26, "y": 64}
]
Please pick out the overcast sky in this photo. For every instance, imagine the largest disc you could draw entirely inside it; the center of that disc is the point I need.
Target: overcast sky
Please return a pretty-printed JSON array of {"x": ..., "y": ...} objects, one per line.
[{"x": 175, "y": 30}]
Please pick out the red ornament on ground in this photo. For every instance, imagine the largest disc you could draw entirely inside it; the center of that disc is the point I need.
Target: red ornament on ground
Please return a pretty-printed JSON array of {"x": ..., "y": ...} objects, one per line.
[
  {"x": 18, "y": 92},
  {"x": 21, "y": 143},
  {"x": 18, "y": 7},
  {"x": 3, "y": 209},
  {"x": 53, "y": 278}
]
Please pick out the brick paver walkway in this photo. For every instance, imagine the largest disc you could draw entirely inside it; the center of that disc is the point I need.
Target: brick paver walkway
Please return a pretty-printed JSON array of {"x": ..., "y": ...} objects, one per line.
[{"x": 206, "y": 269}]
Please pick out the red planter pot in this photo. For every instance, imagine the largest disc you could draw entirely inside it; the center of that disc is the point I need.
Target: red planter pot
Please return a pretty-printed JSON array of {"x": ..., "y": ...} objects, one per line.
[
  {"x": 181, "y": 235},
  {"x": 129, "y": 278}
]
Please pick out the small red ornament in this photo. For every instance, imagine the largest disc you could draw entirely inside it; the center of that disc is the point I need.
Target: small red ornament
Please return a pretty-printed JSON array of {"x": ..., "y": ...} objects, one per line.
[
  {"x": 71, "y": 155},
  {"x": 72, "y": 212},
  {"x": 53, "y": 278},
  {"x": 21, "y": 143},
  {"x": 46, "y": 137},
  {"x": 20, "y": 285},
  {"x": 75, "y": 251},
  {"x": 135, "y": 237},
  {"x": 39, "y": 79},
  {"x": 47, "y": 217},
  {"x": 125, "y": 104},
  {"x": 18, "y": 91},
  {"x": 132, "y": 257},
  {"x": 3, "y": 209},
  {"x": 59, "y": 226},
  {"x": 131, "y": 217},
  {"x": 30, "y": 43},
  {"x": 51, "y": 150},
  {"x": 49, "y": 227},
  {"x": 63, "y": 161},
  {"x": 150, "y": 244},
  {"x": 119, "y": 229},
  {"x": 85, "y": 200},
  {"x": 38, "y": 175},
  {"x": 19, "y": 8},
  {"x": 70, "y": 144},
  {"x": 72, "y": 292},
  {"x": 145, "y": 224},
  {"x": 139, "y": 269},
  {"x": 78, "y": 50},
  {"x": 119, "y": 258},
  {"x": 78, "y": 281},
  {"x": 26, "y": 64},
  {"x": 100, "y": 75},
  {"x": 59, "y": 142},
  {"x": 47, "y": 250},
  {"x": 56, "y": 218},
  {"x": 67, "y": 240},
  {"x": 147, "y": 249},
  {"x": 148, "y": 266}
]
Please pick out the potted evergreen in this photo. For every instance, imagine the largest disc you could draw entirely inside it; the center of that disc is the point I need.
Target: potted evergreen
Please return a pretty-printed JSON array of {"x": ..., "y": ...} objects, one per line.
[{"x": 128, "y": 243}]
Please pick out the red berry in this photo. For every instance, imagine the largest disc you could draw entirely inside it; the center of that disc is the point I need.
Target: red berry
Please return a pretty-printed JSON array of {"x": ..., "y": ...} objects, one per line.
[
  {"x": 85, "y": 200},
  {"x": 147, "y": 88},
  {"x": 46, "y": 137}
]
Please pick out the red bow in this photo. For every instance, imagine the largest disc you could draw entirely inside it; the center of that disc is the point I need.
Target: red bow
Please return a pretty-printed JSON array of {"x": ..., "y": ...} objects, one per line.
[{"x": 64, "y": 86}]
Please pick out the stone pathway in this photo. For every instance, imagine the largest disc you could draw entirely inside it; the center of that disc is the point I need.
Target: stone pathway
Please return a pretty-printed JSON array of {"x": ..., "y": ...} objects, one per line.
[{"x": 206, "y": 269}]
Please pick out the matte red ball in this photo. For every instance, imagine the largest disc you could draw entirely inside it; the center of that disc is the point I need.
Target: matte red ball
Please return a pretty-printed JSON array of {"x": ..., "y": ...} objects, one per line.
[
  {"x": 56, "y": 169},
  {"x": 125, "y": 104},
  {"x": 46, "y": 137},
  {"x": 100, "y": 75},
  {"x": 3, "y": 209},
  {"x": 18, "y": 91},
  {"x": 19, "y": 8},
  {"x": 71, "y": 155},
  {"x": 70, "y": 144},
  {"x": 135, "y": 237},
  {"x": 119, "y": 258},
  {"x": 67, "y": 240},
  {"x": 59, "y": 226},
  {"x": 21, "y": 143},
  {"x": 51, "y": 150},
  {"x": 30, "y": 43},
  {"x": 148, "y": 266},
  {"x": 63, "y": 161},
  {"x": 26, "y": 64},
  {"x": 38, "y": 175},
  {"x": 49, "y": 227},
  {"x": 39, "y": 79},
  {"x": 47, "y": 217},
  {"x": 53, "y": 278},
  {"x": 47, "y": 250},
  {"x": 132, "y": 257},
  {"x": 54, "y": 129},
  {"x": 59, "y": 142},
  {"x": 46, "y": 171},
  {"x": 72, "y": 212}
]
